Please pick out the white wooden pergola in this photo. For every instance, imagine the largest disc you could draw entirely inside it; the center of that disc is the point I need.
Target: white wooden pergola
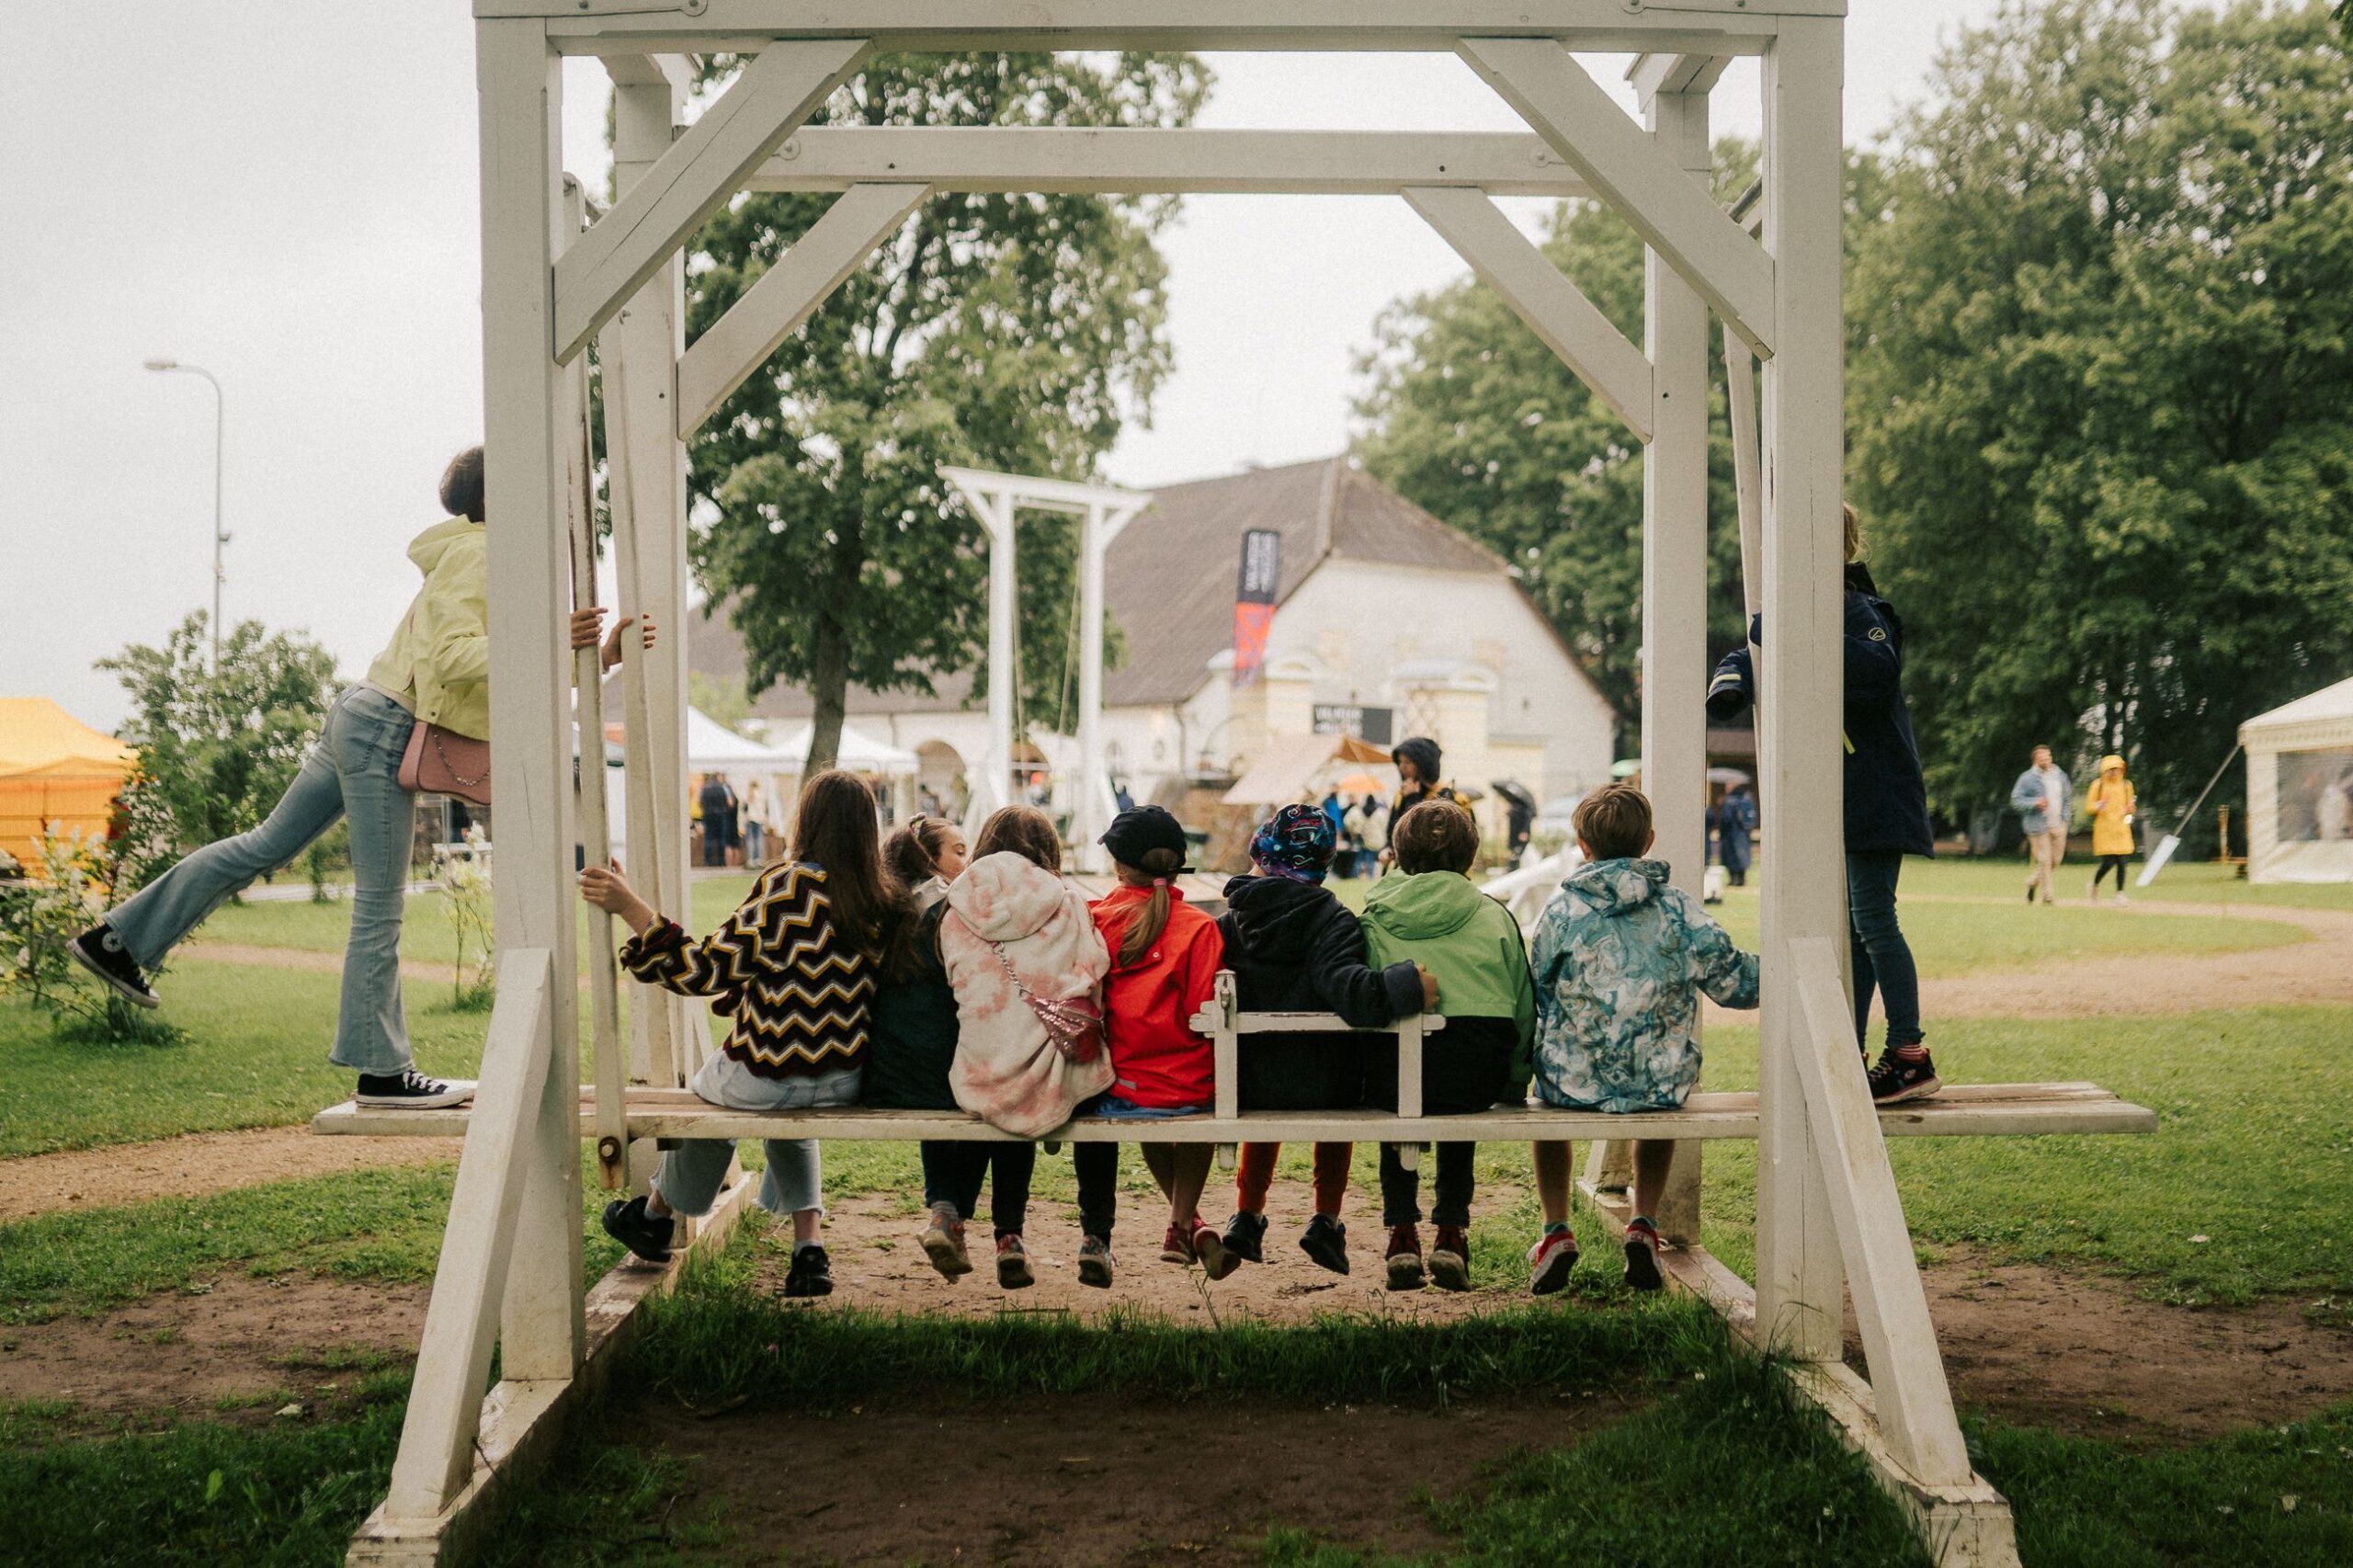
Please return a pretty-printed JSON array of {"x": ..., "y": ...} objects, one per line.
[{"x": 1828, "y": 1220}]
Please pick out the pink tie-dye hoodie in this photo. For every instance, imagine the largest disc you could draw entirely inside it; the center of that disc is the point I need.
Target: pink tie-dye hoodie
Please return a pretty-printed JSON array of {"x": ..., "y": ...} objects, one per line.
[{"x": 1007, "y": 1071}]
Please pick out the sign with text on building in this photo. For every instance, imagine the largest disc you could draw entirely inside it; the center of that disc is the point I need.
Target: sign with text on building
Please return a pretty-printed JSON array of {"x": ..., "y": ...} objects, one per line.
[
  {"x": 1254, "y": 601},
  {"x": 1373, "y": 724}
]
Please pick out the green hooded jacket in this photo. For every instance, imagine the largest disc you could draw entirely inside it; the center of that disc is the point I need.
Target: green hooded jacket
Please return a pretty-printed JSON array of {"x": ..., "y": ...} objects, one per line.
[{"x": 1441, "y": 921}]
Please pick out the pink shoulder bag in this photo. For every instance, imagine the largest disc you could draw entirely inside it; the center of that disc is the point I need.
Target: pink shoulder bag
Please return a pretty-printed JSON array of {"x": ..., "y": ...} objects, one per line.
[
  {"x": 443, "y": 762},
  {"x": 1075, "y": 1024}
]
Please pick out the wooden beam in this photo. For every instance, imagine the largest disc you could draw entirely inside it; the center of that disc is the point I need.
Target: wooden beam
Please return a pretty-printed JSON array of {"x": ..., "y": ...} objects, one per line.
[
  {"x": 1800, "y": 735},
  {"x": 1645, "y": 181},
  {"x": 738, "y": 343},
  {"x": 461, "y": 1320},
  {"x": 1705, "y": 26},
  {"x": 781, "y": 87},
  {"x": 1555, "y": 308},
  {"x": 1654, "y": 73},
  {"x": 1891, "y": 1305},
  {"x": 1096, "y": 160}
]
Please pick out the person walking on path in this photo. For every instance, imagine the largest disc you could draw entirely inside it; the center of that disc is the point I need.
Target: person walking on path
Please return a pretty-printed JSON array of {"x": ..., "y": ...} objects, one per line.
[
  {"x": 2044, "y": 798},
  {"x": 436, "y": 670},
  {"x": 2113, "y": 804},
  {"x": 1886, "y": 810},
  {"x": 1736, "y": 823}
]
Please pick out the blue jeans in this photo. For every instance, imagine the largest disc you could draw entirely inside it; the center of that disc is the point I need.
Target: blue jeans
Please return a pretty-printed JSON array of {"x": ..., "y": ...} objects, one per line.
[
  {"x": 690, "y": 1174},
  {"x": 353, "y": 771},
  {"x": 1881, "y": 958}
]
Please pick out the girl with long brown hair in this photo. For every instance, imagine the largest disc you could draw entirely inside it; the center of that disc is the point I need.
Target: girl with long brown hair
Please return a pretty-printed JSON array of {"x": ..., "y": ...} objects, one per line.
[{"x": 795, "y": 966}]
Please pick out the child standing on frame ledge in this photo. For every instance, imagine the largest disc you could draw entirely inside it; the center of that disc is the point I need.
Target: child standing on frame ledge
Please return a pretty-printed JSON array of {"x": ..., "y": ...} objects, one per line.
[
  {"x": 1621, "y": 959},
  {"x": 795, "y": 965},
  {"x": 1165, "y": 957}
]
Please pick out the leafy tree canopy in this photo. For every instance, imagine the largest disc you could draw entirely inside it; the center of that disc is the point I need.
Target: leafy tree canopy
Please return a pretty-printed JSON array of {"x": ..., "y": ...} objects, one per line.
[
  {"x": 1000, "y": 330},
  {"x": 216, "y": 747},
  {"x": 2102, "y": 355}
]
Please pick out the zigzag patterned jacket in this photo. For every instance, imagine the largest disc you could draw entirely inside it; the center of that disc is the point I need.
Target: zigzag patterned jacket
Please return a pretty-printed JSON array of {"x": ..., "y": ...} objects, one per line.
[{"x": 802, "y": 995}]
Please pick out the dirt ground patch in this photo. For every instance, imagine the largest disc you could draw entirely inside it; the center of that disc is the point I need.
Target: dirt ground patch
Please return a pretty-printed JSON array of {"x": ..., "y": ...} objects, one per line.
[
  {"x": 117, "y": 1174},
  {"x": 233, "y": 1349},
  {"x": 2081, "y": 1354},
  {"x": 1089, "y": 1481},
  {"x": 303, "y": 958}
]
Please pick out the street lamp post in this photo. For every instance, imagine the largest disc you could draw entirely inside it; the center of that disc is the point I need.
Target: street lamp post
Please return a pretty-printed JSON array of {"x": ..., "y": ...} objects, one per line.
[{"x": 219, "y": 536}]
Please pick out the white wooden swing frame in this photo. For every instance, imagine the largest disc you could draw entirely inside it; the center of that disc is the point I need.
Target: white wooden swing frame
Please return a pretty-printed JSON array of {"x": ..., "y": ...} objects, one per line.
[{"x": 1828, "y": 1215}]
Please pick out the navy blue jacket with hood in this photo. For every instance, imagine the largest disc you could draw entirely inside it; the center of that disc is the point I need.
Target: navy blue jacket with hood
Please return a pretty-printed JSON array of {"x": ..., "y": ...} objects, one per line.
[{"x": 1887, "y": 800}]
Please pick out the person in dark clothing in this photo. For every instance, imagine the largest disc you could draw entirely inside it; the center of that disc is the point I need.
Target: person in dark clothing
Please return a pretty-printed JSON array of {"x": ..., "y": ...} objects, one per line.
[
  {"x": 1886, "y": 818},
  {"x": 1735, "y": 822},
  {"x": 718, "y": 802},
  {"x": 1293, "y": 948},
  {"x": 1420, "y": 776},
  {"x": 912, "y": 1047}
]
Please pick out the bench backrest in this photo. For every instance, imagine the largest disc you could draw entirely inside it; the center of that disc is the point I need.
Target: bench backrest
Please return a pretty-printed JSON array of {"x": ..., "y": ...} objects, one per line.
[{"x": 1222, "y": 1019}]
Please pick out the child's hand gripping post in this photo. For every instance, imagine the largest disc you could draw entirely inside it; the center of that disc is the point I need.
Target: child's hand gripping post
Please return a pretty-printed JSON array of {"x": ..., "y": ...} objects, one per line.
[{"x": 602, "y": 886}]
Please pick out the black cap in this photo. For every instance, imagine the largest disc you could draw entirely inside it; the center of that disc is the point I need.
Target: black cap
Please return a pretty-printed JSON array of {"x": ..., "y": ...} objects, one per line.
[{"x": 1140, "y": 830}]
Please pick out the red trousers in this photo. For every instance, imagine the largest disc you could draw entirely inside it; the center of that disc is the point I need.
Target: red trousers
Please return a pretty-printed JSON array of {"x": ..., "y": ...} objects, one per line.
[{"x": 1257, "y": 1172}]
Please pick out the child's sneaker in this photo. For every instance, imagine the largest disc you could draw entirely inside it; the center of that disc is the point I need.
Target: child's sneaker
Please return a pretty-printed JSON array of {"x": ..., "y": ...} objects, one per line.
[
  {"x": 1175, "y": 1246},
  {"x": 1210, "y": 1247},
  {"x": 1450, "y": 1259},
  {"x": 1095, "y": 1262},
  {"x": 1895, "y": 1080},
  {"x": 943, "y": 1242},
  {"x": 101, "y": 952},
  {"x": 1326, "y": 1241},
  {"x": 1013, "y": 1270},
  {"x": 811, "y": 1273},
  {"x": 1245, "y": 1236},
  {"x": 1404, "y": 1259},
  {"x": 1551, "y": 1260},
  {"x": 1641, "y": 1256},
  {"x": 647, "y": 1235}
]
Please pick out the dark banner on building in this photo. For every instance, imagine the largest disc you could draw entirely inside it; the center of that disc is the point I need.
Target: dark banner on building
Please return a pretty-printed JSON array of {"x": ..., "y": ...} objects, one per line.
[
  {"x": 1373, "y": 724},
  {"x": 1254, "y": 601}
]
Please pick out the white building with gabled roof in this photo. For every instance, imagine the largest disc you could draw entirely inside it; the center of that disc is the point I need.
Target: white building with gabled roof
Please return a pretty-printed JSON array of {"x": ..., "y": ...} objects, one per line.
[{"x": 1388, "y": 622}]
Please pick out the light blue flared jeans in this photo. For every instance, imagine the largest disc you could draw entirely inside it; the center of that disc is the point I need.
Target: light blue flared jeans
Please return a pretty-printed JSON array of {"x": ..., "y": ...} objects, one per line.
[{"x": 353, "y": 771}]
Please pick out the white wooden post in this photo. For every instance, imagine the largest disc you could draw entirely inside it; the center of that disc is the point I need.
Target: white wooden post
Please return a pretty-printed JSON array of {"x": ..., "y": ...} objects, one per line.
[
  {"x": 543, "y": 1329},
  {"x": 1675, "y": 576},
  {"x": 995, "y": 785},
  {"x": 1798, "y": 1274},
  {"x": 646, "y": 465},
  {"x": 1099, "y": 525}
]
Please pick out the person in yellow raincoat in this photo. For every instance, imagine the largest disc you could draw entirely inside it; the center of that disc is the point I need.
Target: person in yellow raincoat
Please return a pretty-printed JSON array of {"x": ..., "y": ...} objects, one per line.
[{"x": 2112, "y": 805}]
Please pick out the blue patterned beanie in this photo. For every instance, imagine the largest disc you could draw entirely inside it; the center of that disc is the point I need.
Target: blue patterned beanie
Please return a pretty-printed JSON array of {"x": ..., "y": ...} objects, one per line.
[{"x": 1296, "y": 842}]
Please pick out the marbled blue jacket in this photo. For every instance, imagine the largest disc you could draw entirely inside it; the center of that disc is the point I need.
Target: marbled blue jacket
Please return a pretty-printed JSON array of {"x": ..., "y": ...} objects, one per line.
[{"x": 1621, "y": 958}]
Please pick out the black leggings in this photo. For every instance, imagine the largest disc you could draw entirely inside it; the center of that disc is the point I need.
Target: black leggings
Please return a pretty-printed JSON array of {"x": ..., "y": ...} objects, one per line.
[{"x": 2106, "y": 864}]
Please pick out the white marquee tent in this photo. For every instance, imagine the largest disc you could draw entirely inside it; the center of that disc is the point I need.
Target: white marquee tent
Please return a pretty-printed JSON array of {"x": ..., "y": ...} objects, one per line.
[{"x": 2300, "y": 790}]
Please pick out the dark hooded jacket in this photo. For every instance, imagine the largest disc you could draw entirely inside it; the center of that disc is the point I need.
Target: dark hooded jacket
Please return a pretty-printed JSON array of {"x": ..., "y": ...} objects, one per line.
[
  {"x": 913, "y": 1042},
  {"x": 1887, "y": 800},
  {"x": 1428, "y": 760},
  {"x": 1293, "y": 948}
]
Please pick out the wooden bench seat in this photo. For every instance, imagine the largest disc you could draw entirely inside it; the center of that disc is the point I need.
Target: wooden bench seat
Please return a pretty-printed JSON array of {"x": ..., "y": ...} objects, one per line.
[{"x": 1973, "y": 1109}]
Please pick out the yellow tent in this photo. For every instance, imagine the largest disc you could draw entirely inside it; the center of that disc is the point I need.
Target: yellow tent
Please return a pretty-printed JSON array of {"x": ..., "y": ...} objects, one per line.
[{"x": 54, "y": 768}]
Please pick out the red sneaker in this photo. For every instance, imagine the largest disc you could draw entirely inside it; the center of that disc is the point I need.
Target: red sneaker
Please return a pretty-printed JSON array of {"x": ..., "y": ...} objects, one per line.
[
  {"x": 1550, "y": 1261},
  {"x": 1404, "y": 1260},
  {"x": 1174, "y": 1247},
  {"x": 1642, "y": 1271},
  {"x": 1450, "y": 1259}
]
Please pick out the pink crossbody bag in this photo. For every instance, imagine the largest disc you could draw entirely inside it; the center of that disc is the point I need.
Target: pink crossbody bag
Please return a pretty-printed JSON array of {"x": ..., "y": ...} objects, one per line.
[
  {"x": 1075, "y": 1024},
  {"x": 443, "y": 762}
]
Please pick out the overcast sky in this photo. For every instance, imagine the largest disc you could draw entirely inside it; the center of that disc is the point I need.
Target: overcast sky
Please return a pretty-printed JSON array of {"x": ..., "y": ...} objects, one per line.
[{"x": 285, "y": 196}]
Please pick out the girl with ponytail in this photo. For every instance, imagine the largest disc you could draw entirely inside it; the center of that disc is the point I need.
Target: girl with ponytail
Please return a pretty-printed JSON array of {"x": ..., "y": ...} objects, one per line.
[{"x": 1164, "y": 962}]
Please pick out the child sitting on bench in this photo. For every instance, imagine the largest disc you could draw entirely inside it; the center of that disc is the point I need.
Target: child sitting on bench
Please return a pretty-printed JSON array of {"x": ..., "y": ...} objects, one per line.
[
  {"x": 1434, "y": 915},
  {"x": 1621, "y": 959},
  {"x": 795, "y": 966},
  {"x": 1024, "y": 959},
  {"x": 1293, "y": 948},
  {"x": 1165, "y": 957}
]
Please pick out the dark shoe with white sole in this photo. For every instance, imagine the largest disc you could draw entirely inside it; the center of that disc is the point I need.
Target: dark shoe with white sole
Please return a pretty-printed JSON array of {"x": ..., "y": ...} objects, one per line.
[
  {"x": 811, "y": 1273},
  {"x": 101, "y": 952},
  {"x": 1642, "y": 1272},
  {"x": 1895, "y": 1080},
  {"x": 412, "y": 1090},
  {"x": 648, "y": 1236}
]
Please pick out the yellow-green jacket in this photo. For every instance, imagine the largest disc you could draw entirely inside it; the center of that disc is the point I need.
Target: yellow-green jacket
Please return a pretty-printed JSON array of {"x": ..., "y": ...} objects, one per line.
[{"x": 439, "y": 659}]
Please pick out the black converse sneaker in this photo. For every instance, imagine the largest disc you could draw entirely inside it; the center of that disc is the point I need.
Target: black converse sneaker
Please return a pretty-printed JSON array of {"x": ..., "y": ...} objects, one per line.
[
  {"x": 647, "y": 1235},
  {"x": 1326, "y": 1241},
  {"x": 412, "y": 1090},
  {"x": 811, "y": 1273},
  {"x": 99, "y": 950},
  {"x": 1245, "y": 1236},
  {"x": 1895, "y": 1080}
]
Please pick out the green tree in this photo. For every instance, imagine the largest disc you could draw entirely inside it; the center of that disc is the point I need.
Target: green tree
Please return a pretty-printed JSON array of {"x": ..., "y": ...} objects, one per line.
[
  {"x": 216, "y": 748},
  {"x": 1468, "y": 415},
  {"x": 2103, "y": 355},
  {"x": 1003, "y": 331}
]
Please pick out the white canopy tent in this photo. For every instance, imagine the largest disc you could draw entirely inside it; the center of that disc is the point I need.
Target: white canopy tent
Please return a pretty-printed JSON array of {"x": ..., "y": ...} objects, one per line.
[
  {"x": 858, "y": 752},
  {"x": 2300, "y": 790}
]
